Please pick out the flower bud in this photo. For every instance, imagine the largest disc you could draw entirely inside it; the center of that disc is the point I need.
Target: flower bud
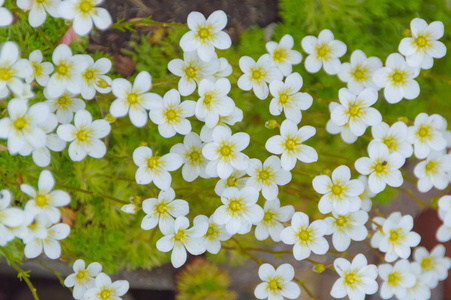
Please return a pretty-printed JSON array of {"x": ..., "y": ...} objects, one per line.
[{"x": 271, "y": 124}]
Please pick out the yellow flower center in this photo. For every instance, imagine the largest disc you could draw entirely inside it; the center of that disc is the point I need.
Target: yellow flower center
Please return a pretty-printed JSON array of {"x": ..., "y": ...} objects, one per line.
[
  {"x": 341, "y": 221},
  {"x": 265, "y": 174},
  {"x": 398, "y": 77},
  {"x": 291, "y": 144},
  {"x": 180, "y": 235},
  {"x": 106, "y": 293},
  {"x": 323, "y": 51},
  {"x": 133, "y": 99},
  {"x": 213, "y": 231},
  {"x": 421, "y": 42},
  {"x": 274, "y": 285},
  {"x": 21, "y": 123},
  {"x": 195, "y": 156},
  {"x": 191, "y": 72},
  {"x": 162, "y": 208},
  {"x": 391, "y": 142},
  {"x": 64, "y": 101},
  {"x": 63, "y": 70},
  {"x": 268, "y": 216},
  {"x": 6, "y": 74},
  {"x": 89, "y": 75},
  {"x": 226, "y": 152},
  {"x": 82, "y": 135},
  {"x": 355, "y": 110},
  {"x": 380, "y": 167},
  {"x": 424, "y": 132},
  {"x": 258, "y": 74},
  {"x": 393, "y": 279},
  {"x": 284, "y": 98},
  {"x": 235, "y": 205},
  {"x": 172, "y": 115},
  {"x": 279, "y": 55},
  {"x": 41, "y": 200},
  {"x": 351, "y": 279},
  {"x": 153, "y": 162},
  {"x": 431, "y": 167},
  {"x": 336, "y": 190},
  {"x": 360, "y": 73},
  {"x": 86, "y": 6},
  {"x": 205, "y": 33},
  {"x": 81, "y": 275},
  {"x": 37, "y": 68},
  {"x": 231, "y": 182},
  {"x": 428, "y": 263},
  {"x": 396, "y": 235},
  {"x": 305, "y": 235},
  {"x": 208, "y": 98}
]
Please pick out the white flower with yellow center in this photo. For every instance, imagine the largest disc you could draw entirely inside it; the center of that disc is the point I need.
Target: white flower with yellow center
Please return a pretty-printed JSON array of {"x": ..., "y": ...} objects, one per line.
[
  {"x": 435, "y": 264},
  {"x": 366, "y": 195},
  {"x": 396, "y": 279},
  {"x": 358, "y": 73},
  {"x": 163, "y": 210},
  {"x": 257, "y": 75},
  {"x": 444, "y": 209},
  {"x": 215, "y": 234},
  {"x": 239, "y": 210},
  {"x": 22, "y": 127},
  {"x": 433, "y": 172},
  {"x": 420, "y": 290},
  {"x": 214, "y": 102},
  {"x": 206, "y": 133},
  {"x": 46, "y": 200},
  {"x": 290, "y": 143},
  {"x": 191, "y": 153},
  {"x": 38, "y": 9},
  {"x": 192, "y": 70},
  {"x": 397, "y": 79},
  {"x": 271, "y": 224},
  {"x": 65, "y": 106},
  {"x": 67, "y": 73},
  {"x": 277, "y": 284},
  {"x": 84, "y": 13},
  {"x": 267, "y": 177},
  {"x": 41, "y": 70},
  {"x": 85, "y": 136},
  {"x": 282, "y": 54},
  {"x": 224, "y": 152},
  {"x": 236, "y": 180},
  {"x": 398, "y": 238},
  {"x": 382, "y": 167},
  {"x": 421, "y": 49},
  {"x": 394, "y": 137},
  {"x": 345, "y": 228},
  {"x": 83, "y": 278},
  {"x": 357, "y": 278},
  {"x": 170, "y": 114},
  {"x": 154, "y": 168},
  {"x": 13, "y": 69},
  {"x": 323, "y": 51},
  {"x": 105, "y": 289},
  {"x": 133, "y": 99},
  {"x": 10, "y": 217},
  {"x": 94, "y": 78},
  {"x": 340, "y": 194},
  {"x": 206, "y": 35},
  {"x": 427, "y": 134},
  {"x": 180, "y": 238},
  {"x": 345, "y": 131},
  {"x": 356, "y": 110},
  {"x": 6, "y": 17},
  {"x": 305, "y": 237},
  {"x": 288, "y": 99}
]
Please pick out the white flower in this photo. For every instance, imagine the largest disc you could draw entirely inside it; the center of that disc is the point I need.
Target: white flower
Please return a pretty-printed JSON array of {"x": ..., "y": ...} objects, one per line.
[
  {"x": 163, "y": 210},
  {"x": 420, "y": 290},
  {"x": 65, "y": 106},
  {"x": 344, "y": 130},
  {"x": 397, "y": 79},
  {"x": 94, "y": 78},
  {"x": 271, "y": 224},
  {"x": 288, "y": 99},
  {"x": 267, "y": 177},
  {"x": 421, "y": 49},
  {"x": 6, "y": 18},
  {"x": 435, "y": 264},
  {"x": 133, "y": 99},
  {"x": 215, "y": 234},
  {"x": 398, "y": 238},
  {"x": 45, "y": 200},
  {"x": 345, "y": 228},
  {"x": 394, "y": 137},
  {"x": 206, "y": 35},
  {"x": 84, "y": 13},
  {"x": 214, "y": 102},
  {"x": 10, "y": 217},
  {"x": 235, "y": 179},
  {"x": 155, "y": 168},
  {"x": 433, "y": 172},
  {"x": 22, "y": 127},
  {"x": 341, "y": 194},
  {"x": 180, "y": 237},
  {"x": 444, "y": 209},
  {"x": 359, "y": 72},
  {"x": 305, "y": 237},
  {"x": 13, "y": 69},
  {"x": 41, "y": 70},
  {"x": 192, "y": 70},
  {"x": 85, "y": 136},
  {"x": 277, "y": 284},
  {"x": 38, "y": 10},
  {"x": 356, "y": 110},
  {"x": 239, "y": 210},
  {"x": 82, "y": 278},
  {"x": 382, "y": 167},
  {"x": 67, "y": 73},
  {"x": 357, "y": 279},
  {"x": 427, "y": 134},
  {"x": 224, "y": 152},
  {"x": 106, "y": 290},
  {"x": 257, "y": 74},
  {"x": 323, "y": 50},
  {"x": 194, "y": 162},
  {"x": 397, "y": 279},
  {"x": 170, "y": 114},
  {"x": 290, "y": 144},
  {"x": 366, "y": 195},
  {"x": 206, "y": 133},
  {"x": 281, "y": 54}
]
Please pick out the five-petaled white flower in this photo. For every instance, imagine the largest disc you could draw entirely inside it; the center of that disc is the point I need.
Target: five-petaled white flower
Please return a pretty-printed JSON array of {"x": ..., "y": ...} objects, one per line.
[
  {"x": 105, "y": 289},
  {"x": 397, "y": 279},
  {"x": 13, "y": 69},
  {"x": 290, "y": 144},
  {"x": 277, "y": 284},
  {"x": 214, "y": 236},
  {"x": 271, "y": 224},
  {"x": 281, "y": 54},
  {"x": 305, "y": 236},
  {"x": 434, "y": 263},
  {"x": 433, "y": 172},
  {"x": 85, "y": 136},
  {"x": 344, "y": 130},
  {"x": 94, "y": 78},
  {"x": 82, "y": 278},
  {"x": 345, "y": 228},
  {"x": 38, "y": 10},
  {"x": 427, "y": 134},
  {"x": 394, "y": 137},
  {"x": 10, "y": 217},
  {"x": 65, "y": 106},
  {"x": 323, "y": 51},
  {"x": 41, "y": 70}
]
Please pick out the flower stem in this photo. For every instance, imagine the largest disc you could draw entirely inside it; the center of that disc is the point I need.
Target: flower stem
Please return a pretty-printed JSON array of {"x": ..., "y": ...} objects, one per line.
[
  {"x": 302, "y": 284},
  {"x": 418, "y": 200}
]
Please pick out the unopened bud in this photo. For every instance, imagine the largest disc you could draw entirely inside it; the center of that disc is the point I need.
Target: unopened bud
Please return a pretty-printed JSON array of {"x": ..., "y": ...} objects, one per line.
[
  {"x": 110, "y": 119},
  {"x": 130, "y": 208},
  {"x": 101, "y": 83},
  {"x": 406, "y": 33},
  {"x": 271, "y": 124},
  {"x": 319, "y": 268},
  {"x": 142, "y": 144},
  {"x": 403, "y": 119}
]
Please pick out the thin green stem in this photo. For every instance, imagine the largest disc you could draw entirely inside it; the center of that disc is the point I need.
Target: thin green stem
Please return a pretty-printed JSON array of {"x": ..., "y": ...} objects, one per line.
[
  {"x": 418, "y": 200},
  {"x": 57, "y": 274},
  {"x": 140, "y": 21},
  {"x": 302, "y": 284}
]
